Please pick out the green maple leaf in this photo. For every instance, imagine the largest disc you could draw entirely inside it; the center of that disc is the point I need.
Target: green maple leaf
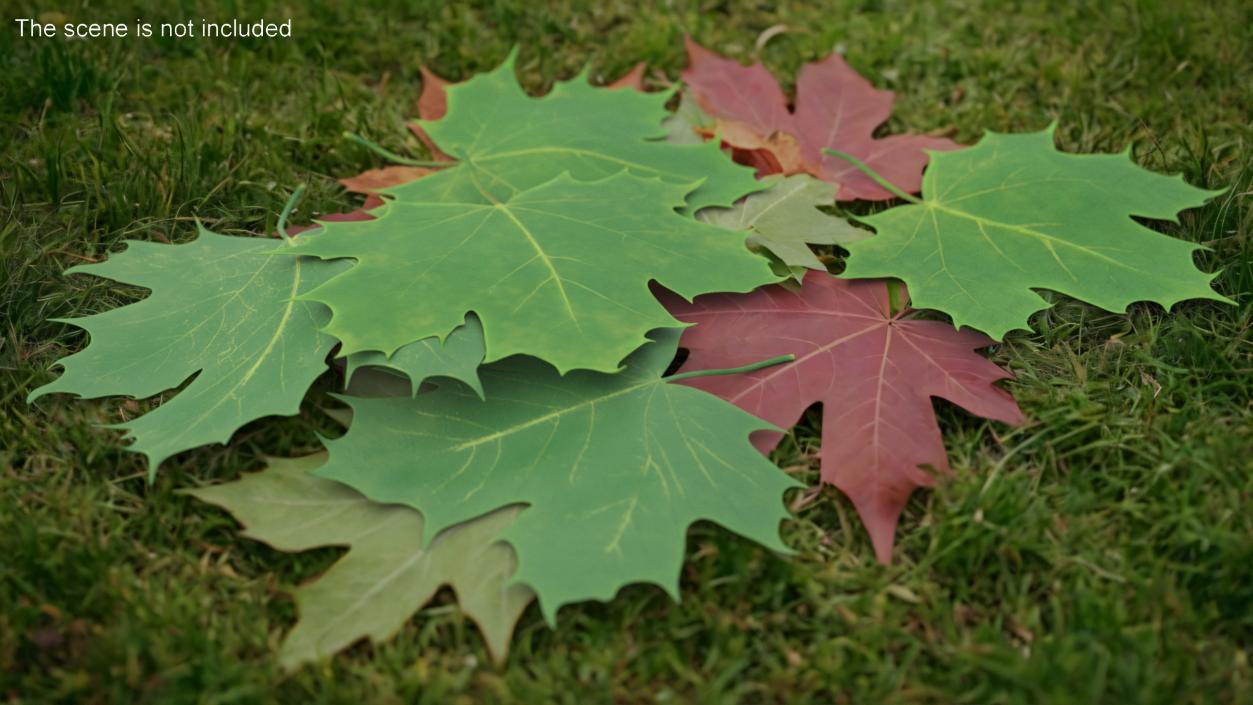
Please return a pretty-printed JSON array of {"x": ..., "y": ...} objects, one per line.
[
  {"x": 505, "y": 141},
  {"x": 510, "y": 150},
  {"x": 614, "y": 468},
  {"x": 785, "y": 220},
  {"x": 221, "y": 309},
  {"x": 456, "y": 357},
  {"x": 782, "y": 219},
  {"x": 390, "y": 570},
  {"x": 1012, "y": 214},
  {"x": 559, "y": 271}
]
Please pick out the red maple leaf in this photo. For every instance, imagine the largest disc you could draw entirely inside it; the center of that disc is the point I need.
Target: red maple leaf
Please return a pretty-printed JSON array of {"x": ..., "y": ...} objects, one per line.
[
  {"x": 373, "y": 181},
  {"x": 875, "y": 374},
  {"x": 432, "y": 105},
  {"x": 835, "y": 107}
]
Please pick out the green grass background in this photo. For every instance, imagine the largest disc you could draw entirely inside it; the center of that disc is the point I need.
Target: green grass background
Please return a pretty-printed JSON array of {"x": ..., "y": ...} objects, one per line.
[{"x": 1103, "y": 553}]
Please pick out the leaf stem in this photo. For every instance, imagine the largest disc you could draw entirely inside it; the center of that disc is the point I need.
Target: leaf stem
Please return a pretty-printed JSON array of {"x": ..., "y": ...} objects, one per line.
[
  {"x": 392, "y": 156},
  {"x": 861, "y": 166},
  {"x": 291, "y": 203},
  {"x": 751, "y": 367},
  {"x": 895, "y": 304}
]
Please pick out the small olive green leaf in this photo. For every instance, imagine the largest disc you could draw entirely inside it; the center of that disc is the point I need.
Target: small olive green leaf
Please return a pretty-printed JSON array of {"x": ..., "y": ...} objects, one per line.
[
  {"x": 506, "y": 141},
  {"x": 785, "y": 220},
  {"x": 1013, "y": 214},
  {"x": 684, "y": 125},
  {"x": 613, "y": 468},
  {"x": 457, "y": 357},
  {"x": 388, "y": 573},
  {"x": 221, "y": 309},
  {"x": 559, "y": 271}
]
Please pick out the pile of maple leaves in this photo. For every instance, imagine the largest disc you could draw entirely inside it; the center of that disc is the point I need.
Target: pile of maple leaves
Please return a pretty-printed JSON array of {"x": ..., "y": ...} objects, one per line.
[{"x": 505, "y": 319}]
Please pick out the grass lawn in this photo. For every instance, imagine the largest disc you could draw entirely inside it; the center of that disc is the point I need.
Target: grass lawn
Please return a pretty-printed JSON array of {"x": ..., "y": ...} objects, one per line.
[{"x": 1102, "y": 553}]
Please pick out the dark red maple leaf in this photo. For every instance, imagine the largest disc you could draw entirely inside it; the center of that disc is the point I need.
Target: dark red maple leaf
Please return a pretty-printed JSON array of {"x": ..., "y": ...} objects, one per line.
[
  {"x": 874, "y": 373},
  {"x": 835, "y": 107}
]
